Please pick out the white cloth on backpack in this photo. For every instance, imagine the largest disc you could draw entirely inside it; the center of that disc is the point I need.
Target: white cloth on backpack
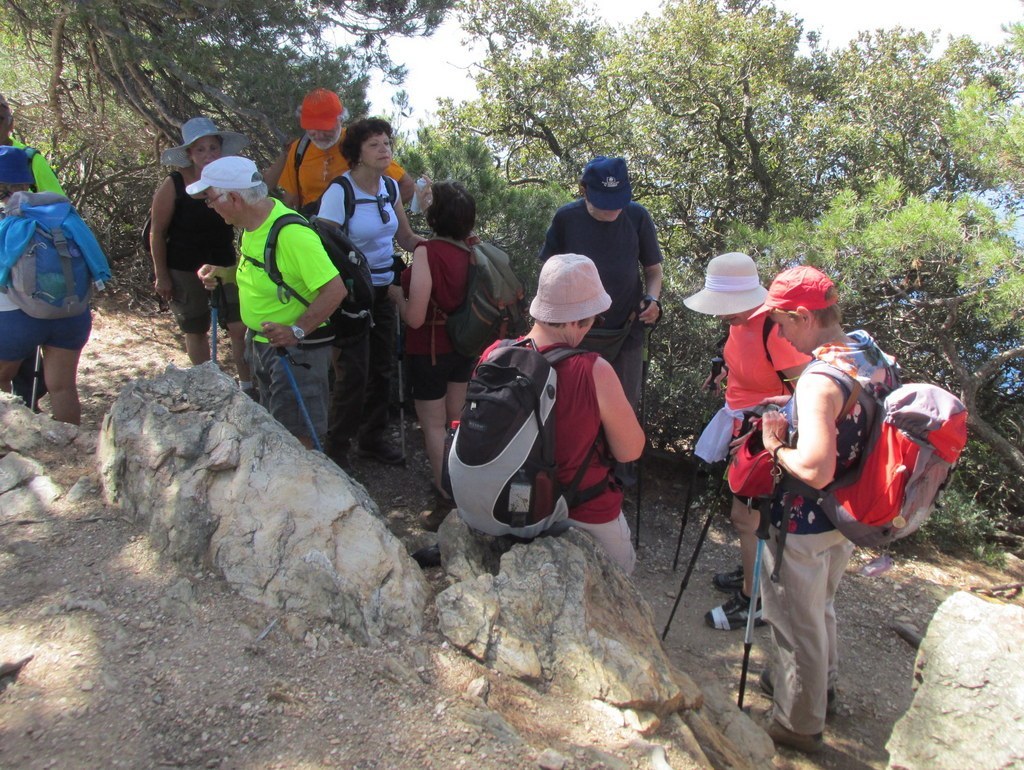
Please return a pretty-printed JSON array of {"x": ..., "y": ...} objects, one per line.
[{"x": 713, "y": 444}]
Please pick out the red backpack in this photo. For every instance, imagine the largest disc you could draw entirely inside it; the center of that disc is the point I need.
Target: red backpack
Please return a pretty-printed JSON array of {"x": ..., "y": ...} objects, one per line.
[{"x": 915, "y": 436}]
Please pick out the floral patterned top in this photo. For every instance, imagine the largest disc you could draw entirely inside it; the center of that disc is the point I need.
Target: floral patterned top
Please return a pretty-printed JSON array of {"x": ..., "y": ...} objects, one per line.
[{"x": 864, "y": 361}]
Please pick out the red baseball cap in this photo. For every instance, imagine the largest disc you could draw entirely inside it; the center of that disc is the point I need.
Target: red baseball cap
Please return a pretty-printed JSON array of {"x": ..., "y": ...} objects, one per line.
[
  {"x": 802, "y": 286},
  {"x": 320, "y": 110}
]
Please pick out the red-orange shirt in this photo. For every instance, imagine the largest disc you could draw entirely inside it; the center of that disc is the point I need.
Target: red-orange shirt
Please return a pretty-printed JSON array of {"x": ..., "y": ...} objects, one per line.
[{"x": 752, "y": 377}]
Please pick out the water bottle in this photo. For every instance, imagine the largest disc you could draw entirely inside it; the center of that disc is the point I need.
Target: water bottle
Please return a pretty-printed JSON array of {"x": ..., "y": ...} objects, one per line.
[{"x": 416, "y": 207}]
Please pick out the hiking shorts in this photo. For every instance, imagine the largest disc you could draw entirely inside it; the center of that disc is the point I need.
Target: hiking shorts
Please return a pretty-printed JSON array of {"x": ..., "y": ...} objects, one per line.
[
  {"x": 190, "y": 303},
  {"x": 429, "y": 382},
  {"x": 21, "y": 334}
]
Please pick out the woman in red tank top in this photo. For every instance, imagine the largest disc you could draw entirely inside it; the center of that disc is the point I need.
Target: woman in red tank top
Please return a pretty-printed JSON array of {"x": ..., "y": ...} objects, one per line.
[
  {"x": 435, "y": 286},
  {"x": 569, "y": 298}
]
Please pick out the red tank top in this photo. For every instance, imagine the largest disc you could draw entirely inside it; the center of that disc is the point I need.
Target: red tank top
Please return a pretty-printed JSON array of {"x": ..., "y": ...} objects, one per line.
[
  {"x": 449, "y": 275},
  {"x": 577, "y": 420}
]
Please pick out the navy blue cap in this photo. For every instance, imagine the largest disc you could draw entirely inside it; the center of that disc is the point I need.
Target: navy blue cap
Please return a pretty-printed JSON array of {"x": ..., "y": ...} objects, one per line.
[
  {"x": 607, "y": 183},
  {"x": 14, "y": 166}
]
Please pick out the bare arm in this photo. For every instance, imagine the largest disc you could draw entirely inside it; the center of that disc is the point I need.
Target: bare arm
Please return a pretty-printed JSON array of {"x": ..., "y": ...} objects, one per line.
[
  {"x": 328, "y": 297},
  {"x": 406, "y": 238},
  {"x": 414, "y": 311},
  {"x": 813, "y": 460},
  {"x": 273, "y": 173},
  {"x": 625, "y": 436},
  {"x": 160, "y": 222},
  {"x": 406, "y": 188},
  {"x": 653, "y": 276}
]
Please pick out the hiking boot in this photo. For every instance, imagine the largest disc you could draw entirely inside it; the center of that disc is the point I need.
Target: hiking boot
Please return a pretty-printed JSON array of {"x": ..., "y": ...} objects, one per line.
[
  {"x": 428, "y": 557},
  {"x": 733, "y": 614},
  {"x": 381, "y": 452},
  {"x": 769, "y": 689},
  {"x": 729, "y": 582},
  {"x": 783, "y": 736}
]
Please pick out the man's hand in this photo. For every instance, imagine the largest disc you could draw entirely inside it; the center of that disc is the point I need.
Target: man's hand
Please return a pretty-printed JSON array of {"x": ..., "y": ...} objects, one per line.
[
  {"x": 650, "y": 311},
  {"x": 210, "y": 274},
  {"x": 279, "y": 335}
]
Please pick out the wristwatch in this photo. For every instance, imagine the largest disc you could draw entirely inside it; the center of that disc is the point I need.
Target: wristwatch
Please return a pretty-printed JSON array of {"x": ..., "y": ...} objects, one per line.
[{"x": 299, "y": 334}]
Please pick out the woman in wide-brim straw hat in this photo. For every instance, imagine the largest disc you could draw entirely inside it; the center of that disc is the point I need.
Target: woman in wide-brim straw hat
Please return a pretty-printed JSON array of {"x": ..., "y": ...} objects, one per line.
[
  {"x": 760, "y": 365},
  {"x": 590, "y": 398},
  {"x": 186, "y": 234}
]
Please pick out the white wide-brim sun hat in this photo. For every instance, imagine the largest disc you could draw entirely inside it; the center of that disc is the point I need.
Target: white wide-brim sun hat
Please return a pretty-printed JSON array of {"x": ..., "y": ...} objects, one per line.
[{"x": 731, "y": 285}]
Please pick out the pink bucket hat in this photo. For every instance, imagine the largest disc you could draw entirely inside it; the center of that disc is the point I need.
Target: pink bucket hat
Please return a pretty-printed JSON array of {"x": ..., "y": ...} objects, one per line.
[{"x": 569, "y": 289}]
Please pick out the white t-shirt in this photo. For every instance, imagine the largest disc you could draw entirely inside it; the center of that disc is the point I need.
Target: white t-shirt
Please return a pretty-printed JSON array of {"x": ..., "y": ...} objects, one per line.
[{"x": 374, "y": 237}]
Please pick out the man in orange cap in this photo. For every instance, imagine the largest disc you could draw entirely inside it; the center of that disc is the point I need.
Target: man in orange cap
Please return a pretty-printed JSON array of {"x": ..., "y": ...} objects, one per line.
[{"x": 311, "y": 162}]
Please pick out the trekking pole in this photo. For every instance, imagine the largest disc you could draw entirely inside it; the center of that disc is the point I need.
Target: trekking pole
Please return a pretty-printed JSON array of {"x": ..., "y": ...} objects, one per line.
[
  {"x": 748, "y": 636},
  {"x": 215, "y": 297},
  {"x": 286, "y": 362},
  {"x": 689, "y": 568},
  {"x": 648, "y": 330},
  {"x": 37, "y": 379},
  {"x": 400, "y": 351},
  {"x": 686, "y": 511}
]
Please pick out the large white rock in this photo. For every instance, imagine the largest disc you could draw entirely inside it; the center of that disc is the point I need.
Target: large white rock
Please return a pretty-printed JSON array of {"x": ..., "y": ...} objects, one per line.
[
  {"x": 968, "y": 708},
  {"x": 217, "y": 481},
  {"x": 560, "y": 611}
]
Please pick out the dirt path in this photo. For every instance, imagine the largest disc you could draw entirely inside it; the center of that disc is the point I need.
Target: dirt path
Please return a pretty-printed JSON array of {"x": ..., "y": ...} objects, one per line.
[{"x": 138, "y": 665}]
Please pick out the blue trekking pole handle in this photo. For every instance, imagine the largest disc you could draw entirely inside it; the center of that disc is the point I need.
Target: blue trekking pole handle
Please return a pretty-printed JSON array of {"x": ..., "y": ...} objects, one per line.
[
  {"x": 298, "y": 398},
  {"x": 215, "y": 297}
]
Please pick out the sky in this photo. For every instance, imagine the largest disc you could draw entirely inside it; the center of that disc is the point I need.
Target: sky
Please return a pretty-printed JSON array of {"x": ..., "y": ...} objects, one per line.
[{"x": 439, "y": 66}]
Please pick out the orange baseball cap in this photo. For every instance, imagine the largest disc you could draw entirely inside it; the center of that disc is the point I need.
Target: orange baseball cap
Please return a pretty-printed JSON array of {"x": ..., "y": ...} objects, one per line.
[
  {"x": 320, "y": 110},
  {"x": 802, "y": 286}
]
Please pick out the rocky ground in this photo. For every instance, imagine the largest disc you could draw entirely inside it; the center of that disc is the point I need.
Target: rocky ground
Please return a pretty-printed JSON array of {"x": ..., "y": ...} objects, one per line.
[{"x": 134, "y": 664}]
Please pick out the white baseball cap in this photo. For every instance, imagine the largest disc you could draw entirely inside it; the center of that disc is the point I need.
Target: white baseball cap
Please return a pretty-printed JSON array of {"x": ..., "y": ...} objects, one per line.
[{"x": 230, "y": 173}]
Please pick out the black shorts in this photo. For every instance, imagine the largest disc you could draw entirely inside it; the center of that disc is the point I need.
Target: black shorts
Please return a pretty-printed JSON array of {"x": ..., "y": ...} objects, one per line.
[{"x": 429, "y": 382}]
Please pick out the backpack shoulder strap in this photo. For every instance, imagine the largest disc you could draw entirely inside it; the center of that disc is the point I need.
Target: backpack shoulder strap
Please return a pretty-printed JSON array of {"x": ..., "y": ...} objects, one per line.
[
  {"x": 392, "y": 187},
  {"x": 560, "y": 354},
  {"x": 348, "y": 194},
  {"x": 766, "y": 332},
  {"x": 301, "y": 145},
  {"x": 269, "y": 264}
]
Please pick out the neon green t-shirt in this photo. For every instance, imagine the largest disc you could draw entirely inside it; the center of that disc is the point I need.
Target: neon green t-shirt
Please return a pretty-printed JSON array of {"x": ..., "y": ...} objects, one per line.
[
  {"x": 303, "y": 263},
  {"x": 46, "y": 180}
]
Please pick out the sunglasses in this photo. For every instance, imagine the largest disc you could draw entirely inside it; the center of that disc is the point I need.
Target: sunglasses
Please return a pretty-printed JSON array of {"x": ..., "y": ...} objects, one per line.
[
  {"x": 210, "y": 201},
  {"x": 385, "y": 215}
]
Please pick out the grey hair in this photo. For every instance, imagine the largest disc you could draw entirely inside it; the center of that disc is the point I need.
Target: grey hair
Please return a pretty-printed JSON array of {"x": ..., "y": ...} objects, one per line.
[{"x": 250, "y": 195}]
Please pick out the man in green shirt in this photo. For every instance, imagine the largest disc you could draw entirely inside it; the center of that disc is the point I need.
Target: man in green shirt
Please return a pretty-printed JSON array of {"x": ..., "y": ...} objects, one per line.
[
  {"x": 276, "y": 319},
  {"x": 45, "y": 179}
]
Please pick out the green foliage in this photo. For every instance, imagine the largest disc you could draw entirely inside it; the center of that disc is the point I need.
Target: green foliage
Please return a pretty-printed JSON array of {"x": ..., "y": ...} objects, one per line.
[
  {"x": 244, "y": 63},
  {"x": 960, "y": 525},
  {"x": 940, "y": 286},
  {"x": 515, "y": 217}
]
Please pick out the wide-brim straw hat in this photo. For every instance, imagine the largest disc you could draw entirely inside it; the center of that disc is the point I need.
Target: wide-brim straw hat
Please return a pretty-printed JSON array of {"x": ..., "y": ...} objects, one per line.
[
  {"x": 231, "y": 142},
  {"x": 731, "y": 285},
  {"x": 569, "y": 289}
]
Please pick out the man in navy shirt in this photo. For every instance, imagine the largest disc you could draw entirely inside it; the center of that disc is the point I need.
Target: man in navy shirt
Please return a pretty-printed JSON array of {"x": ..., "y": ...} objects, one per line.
[{"x": 619, "y": 236}]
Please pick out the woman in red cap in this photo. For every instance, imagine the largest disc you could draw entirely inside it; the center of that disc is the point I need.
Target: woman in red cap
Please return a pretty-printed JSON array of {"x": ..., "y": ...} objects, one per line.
[{"x": 816, "y": 436}]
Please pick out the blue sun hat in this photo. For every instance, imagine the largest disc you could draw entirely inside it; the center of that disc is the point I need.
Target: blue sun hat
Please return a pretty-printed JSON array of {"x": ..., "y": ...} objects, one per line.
[{"x": 15, "y": 167}]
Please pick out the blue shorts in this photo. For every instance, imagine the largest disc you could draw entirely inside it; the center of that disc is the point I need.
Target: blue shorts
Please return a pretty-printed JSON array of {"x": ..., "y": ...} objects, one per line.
[{"x": 21, "y": 334}]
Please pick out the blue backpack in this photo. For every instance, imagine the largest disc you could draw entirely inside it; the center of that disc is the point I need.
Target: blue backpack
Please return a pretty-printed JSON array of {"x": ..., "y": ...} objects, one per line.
[{"x": 50, "y": 262}]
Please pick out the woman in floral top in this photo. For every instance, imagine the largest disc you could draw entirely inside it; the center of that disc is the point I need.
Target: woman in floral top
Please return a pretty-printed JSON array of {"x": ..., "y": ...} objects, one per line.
[{"x": 815, "y": 437}]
